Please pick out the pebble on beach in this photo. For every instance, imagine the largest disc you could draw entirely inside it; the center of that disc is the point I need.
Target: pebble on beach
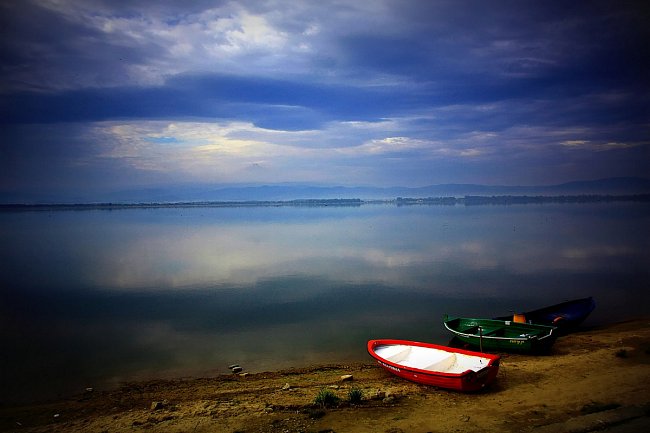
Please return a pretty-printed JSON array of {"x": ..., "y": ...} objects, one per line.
[
  {"x": 235, "y": 368},
  {"x": 157, "y": 405}
]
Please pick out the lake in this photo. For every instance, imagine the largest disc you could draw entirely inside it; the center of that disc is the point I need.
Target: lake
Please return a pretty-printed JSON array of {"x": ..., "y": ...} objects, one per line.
[{"x": 93, "y": 298}]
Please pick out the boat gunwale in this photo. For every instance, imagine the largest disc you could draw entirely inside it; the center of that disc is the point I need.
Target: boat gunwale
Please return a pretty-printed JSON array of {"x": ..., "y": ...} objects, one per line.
[
  {"x": 548, "y": 329},
  {"x": 495, "y": 337}
]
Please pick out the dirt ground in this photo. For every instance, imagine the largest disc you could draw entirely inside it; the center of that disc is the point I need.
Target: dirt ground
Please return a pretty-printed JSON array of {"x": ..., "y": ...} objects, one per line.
[{"x": 591, "y": 371}]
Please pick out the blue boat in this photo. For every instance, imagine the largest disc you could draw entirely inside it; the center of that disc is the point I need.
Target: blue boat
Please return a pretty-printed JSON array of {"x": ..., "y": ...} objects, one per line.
[{"x": 566, "y": 316}]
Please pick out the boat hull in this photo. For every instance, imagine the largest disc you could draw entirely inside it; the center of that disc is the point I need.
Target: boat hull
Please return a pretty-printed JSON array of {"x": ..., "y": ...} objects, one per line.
[
  {"x": 466, "y": 381},
  {"x": 502, "y": 335}
]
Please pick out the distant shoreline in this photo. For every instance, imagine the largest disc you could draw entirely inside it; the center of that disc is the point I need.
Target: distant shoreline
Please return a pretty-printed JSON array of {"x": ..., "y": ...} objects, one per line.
[{"x": 468, "y": 200}]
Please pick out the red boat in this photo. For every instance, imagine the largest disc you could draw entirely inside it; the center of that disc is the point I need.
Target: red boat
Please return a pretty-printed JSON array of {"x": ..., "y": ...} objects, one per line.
[{"x": 431, "y": 364}]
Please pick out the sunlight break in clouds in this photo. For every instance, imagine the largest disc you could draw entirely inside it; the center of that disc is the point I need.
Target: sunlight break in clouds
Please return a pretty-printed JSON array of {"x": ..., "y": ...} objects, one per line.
[
  {"x": 225, "y": 150},
  {"x": 219, "y": 150},
  {"x": 238, "y": 151},
  {"x": 203, "y": 151}
]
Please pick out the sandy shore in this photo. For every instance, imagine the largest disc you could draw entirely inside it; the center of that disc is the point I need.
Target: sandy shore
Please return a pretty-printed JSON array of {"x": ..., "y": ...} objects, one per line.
[{"x": 593, "y": 376}]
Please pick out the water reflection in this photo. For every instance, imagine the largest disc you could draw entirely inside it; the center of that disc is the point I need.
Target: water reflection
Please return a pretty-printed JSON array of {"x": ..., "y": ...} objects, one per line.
[{"x": 93, "y": 298}]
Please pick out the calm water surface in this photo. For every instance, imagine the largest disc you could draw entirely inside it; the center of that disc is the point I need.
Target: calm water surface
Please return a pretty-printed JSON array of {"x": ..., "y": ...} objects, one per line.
[{"x": 93, "y": 298}]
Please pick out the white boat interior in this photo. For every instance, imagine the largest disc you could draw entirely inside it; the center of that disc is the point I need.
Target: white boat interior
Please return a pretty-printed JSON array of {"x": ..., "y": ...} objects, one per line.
[{"x": 428, "y": 358}]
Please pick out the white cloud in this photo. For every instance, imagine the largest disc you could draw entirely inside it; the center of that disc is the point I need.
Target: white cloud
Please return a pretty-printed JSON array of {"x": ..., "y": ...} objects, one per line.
[
  {"x": 391, "y": 144},
  {"x": 601, "y": 146},
  {"x": 242, "y": 152},
  {"x": 145, "y": 46}
]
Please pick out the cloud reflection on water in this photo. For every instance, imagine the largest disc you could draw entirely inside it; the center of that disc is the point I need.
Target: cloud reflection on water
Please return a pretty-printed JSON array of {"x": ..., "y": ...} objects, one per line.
[
  {"x": 105, "y": 296},
  {"x": 375, "y": 248},
  {"x": 377, "y": 245}
]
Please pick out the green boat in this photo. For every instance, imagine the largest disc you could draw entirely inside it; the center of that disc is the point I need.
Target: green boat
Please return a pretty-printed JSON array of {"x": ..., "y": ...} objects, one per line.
[{"x": 502, "y": 335}]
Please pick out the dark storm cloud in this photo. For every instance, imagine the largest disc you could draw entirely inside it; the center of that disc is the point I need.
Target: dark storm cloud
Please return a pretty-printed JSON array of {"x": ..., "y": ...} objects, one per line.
[
  {"x": 475, "y": 52},
  {"x": 406, "y": 91},
  {"x": 262, "y": 101}
]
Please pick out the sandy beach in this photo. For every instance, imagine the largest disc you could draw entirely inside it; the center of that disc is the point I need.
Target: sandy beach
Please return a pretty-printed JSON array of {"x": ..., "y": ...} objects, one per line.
[{"x": 593, "y": 379}]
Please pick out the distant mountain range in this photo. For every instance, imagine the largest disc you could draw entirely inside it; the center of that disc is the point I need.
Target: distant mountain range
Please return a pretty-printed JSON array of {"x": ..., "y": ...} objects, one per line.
[
  {"x": 283, "y": 192},
  {"x": 610, "y": 186}
]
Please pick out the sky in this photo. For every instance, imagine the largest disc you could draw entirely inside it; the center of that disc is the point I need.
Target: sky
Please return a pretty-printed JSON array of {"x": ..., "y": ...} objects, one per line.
[{"x": 100, "y": 96}]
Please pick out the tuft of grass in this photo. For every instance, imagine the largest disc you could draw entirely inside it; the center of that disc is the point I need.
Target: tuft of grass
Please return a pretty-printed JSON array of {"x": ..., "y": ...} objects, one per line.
[
  {"x": 355, "y": 395},
  {"x": 326, "y": 398},
  {"x": 315, "y": 413}
]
